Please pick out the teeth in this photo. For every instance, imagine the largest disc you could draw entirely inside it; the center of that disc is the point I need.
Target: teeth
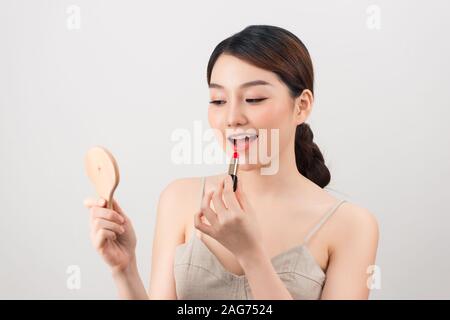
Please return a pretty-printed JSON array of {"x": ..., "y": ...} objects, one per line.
[{"x": 242, "y": 136}]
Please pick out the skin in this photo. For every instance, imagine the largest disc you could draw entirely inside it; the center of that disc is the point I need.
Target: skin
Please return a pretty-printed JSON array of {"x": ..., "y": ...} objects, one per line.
[{"x": 267, "y": 215}]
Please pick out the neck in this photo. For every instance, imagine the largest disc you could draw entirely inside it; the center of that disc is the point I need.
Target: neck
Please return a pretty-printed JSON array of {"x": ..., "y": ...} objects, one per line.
[{"x": 285, "y": 179}]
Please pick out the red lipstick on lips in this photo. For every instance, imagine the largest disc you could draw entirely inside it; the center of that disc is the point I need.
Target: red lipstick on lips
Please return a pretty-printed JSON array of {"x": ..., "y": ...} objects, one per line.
[{"x": 233, "y": 168}]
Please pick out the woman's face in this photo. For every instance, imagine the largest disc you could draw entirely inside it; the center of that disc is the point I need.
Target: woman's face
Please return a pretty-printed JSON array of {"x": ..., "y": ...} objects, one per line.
[{"x": 247, "y": 100}]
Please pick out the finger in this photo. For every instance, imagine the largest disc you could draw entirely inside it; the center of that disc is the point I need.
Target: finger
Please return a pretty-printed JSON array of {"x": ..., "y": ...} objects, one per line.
[
  {"x": 90, "y": 202},
  {"x": 229, "y": 195},
  {"x": 107, "y": 214},
  {"x": 100, "y": 223},
  {"x": 117, "y": 208},
  {"x": 202, "y": 226},
  {"x": 219, "y": 206},
  {"x": 101, "y": 236},
  {"x": 206, "y": 209}
]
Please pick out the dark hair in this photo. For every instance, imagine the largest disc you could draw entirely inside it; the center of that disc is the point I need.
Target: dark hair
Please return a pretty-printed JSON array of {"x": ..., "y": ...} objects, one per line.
[{"x": 280, "y": 51}]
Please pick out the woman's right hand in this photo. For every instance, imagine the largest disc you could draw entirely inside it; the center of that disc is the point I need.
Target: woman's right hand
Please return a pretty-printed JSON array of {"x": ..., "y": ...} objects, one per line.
[{"x": 112, "y": 234}]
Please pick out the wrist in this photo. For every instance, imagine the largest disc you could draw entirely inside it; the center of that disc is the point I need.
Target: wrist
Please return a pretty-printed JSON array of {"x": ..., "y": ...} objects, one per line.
[
  {"x": 253, "y": 258},
  {"x": 126, "y": 272}
]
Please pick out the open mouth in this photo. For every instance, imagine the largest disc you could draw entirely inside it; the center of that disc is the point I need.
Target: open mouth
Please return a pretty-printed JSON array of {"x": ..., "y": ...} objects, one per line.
[{"x": 242, "y": 141}]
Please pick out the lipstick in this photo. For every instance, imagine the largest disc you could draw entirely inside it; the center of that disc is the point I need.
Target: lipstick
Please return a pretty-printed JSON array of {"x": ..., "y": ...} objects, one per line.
[{"x": 233, "y": 168}]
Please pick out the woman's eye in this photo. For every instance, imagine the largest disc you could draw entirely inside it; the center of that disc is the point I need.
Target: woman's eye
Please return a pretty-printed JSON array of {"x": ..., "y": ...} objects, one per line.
[
  {"x": 217, "y": 102},
  {"x": 255, "y": 100},
  {"x": 220, "y": 102}
]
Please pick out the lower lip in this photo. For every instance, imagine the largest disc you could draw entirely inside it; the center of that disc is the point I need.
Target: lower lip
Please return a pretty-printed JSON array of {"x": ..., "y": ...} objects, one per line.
[{"x": 243, "y": 144}]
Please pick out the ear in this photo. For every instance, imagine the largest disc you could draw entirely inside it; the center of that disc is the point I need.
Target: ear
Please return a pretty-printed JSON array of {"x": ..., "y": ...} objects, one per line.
[{"x": 303, "y": 106}]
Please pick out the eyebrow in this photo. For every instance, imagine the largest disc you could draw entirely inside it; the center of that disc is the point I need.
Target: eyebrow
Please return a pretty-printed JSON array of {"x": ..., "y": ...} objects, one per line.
[{"x": 244, "y": 85}]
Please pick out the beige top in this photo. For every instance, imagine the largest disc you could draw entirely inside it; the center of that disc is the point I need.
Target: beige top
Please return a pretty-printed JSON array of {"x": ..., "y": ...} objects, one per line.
[{"x": 200, "y": 275}]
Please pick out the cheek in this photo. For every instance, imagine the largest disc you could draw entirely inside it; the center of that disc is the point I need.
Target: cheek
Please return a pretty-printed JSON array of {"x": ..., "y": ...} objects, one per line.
[
  {"x": 274, "y": 117},
  {"x": 285, "y": 124},
  {"x": 262, "y": 117},
  {"x": 271, "y": 116},
  {"x": 214, "y": 118}
]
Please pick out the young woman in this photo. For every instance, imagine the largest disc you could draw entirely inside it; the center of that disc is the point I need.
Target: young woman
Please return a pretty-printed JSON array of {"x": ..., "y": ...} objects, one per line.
[{"x": 280, "y": 235}]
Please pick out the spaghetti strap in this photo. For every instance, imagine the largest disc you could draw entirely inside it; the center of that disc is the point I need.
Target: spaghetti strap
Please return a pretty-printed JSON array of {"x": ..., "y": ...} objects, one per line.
[
  {"x": 201, "y": 194},
  {"x": 200, "y": 275},
  {"x": 202, "y": 191},
  {"x": 322, "y": 221}
]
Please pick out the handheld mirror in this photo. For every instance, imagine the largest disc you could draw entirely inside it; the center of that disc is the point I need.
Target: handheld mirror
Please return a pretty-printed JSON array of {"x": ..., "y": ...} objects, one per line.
[{"x": 102, "y": 170}]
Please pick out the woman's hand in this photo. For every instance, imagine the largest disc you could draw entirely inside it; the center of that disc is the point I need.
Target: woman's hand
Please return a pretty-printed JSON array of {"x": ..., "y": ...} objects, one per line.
[
  {"x": 112, "y": 234},
  {"x": 233, "y": 222}
]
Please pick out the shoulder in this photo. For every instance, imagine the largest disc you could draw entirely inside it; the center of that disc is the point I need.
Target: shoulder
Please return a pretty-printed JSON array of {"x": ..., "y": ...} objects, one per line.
[
  {"x": 180, "y": 184},
  {"x": 176, "y": 202},
  {"x": 179, "y": 189},
  {"x": 183, "y": 194},
  {"x": 179, "y": 201},
  {"x": 357, "y": 218},
  {"x": 189, "y": 185},
  {"x": 355, "y": 225}
]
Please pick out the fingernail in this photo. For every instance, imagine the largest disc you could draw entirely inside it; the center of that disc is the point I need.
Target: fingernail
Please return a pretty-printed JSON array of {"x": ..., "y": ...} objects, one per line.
[{"x": 101, "y": 202}]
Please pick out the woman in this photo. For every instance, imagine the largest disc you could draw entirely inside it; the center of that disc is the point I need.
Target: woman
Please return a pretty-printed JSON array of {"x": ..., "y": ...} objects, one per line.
[{"x": 280, "y": 235}]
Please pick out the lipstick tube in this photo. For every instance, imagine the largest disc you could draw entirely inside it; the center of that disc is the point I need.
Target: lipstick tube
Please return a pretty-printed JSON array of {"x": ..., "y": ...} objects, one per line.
[{"x": 233, "y": 168}]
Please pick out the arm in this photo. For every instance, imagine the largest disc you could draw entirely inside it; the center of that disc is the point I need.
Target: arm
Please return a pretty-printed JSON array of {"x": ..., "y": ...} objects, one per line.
[
  {"x": 113, "y": 236},
  {"x": 129, "y": 283},
  {"x": 263, "y": 279},
  {"x": 168, "y": 233},
  {"x": 351, "y": 255},
  {"x": 175, "y": 200}
]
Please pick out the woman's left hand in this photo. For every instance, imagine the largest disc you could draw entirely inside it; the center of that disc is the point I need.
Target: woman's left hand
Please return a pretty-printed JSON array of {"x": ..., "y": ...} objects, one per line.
[{"x": 233, "y": 222}]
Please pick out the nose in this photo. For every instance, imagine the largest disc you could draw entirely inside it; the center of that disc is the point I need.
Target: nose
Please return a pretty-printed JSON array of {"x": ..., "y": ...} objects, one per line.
[{"x": 236, "y": 116}]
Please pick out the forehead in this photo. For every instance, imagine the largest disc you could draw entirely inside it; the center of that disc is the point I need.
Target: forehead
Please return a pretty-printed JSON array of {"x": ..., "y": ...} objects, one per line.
[{"x": 230, "y": 72}]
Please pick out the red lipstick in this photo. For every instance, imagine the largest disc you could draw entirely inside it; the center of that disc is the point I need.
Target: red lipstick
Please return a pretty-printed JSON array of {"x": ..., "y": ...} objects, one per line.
[{"x": 233, "y": 168}]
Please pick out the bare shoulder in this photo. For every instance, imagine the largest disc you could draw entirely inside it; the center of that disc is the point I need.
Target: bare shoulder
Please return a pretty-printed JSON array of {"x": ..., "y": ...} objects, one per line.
[
  {"x": 355, "y": 224},
  {"x": 177, "y": 200},
  {"x": 356, "y": 217},
  {"x": 186, "y": 191},
  {"x": 173, "y": 188},
  {"x": 181, "y": 194}
]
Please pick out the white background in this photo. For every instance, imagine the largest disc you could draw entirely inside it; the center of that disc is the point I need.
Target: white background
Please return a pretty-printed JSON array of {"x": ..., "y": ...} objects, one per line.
[{"x": 135, "y": 71}]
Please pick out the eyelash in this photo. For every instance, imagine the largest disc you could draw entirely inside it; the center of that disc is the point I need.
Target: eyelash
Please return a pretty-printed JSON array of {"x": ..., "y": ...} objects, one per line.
[{"x": 252, "y": 101}]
